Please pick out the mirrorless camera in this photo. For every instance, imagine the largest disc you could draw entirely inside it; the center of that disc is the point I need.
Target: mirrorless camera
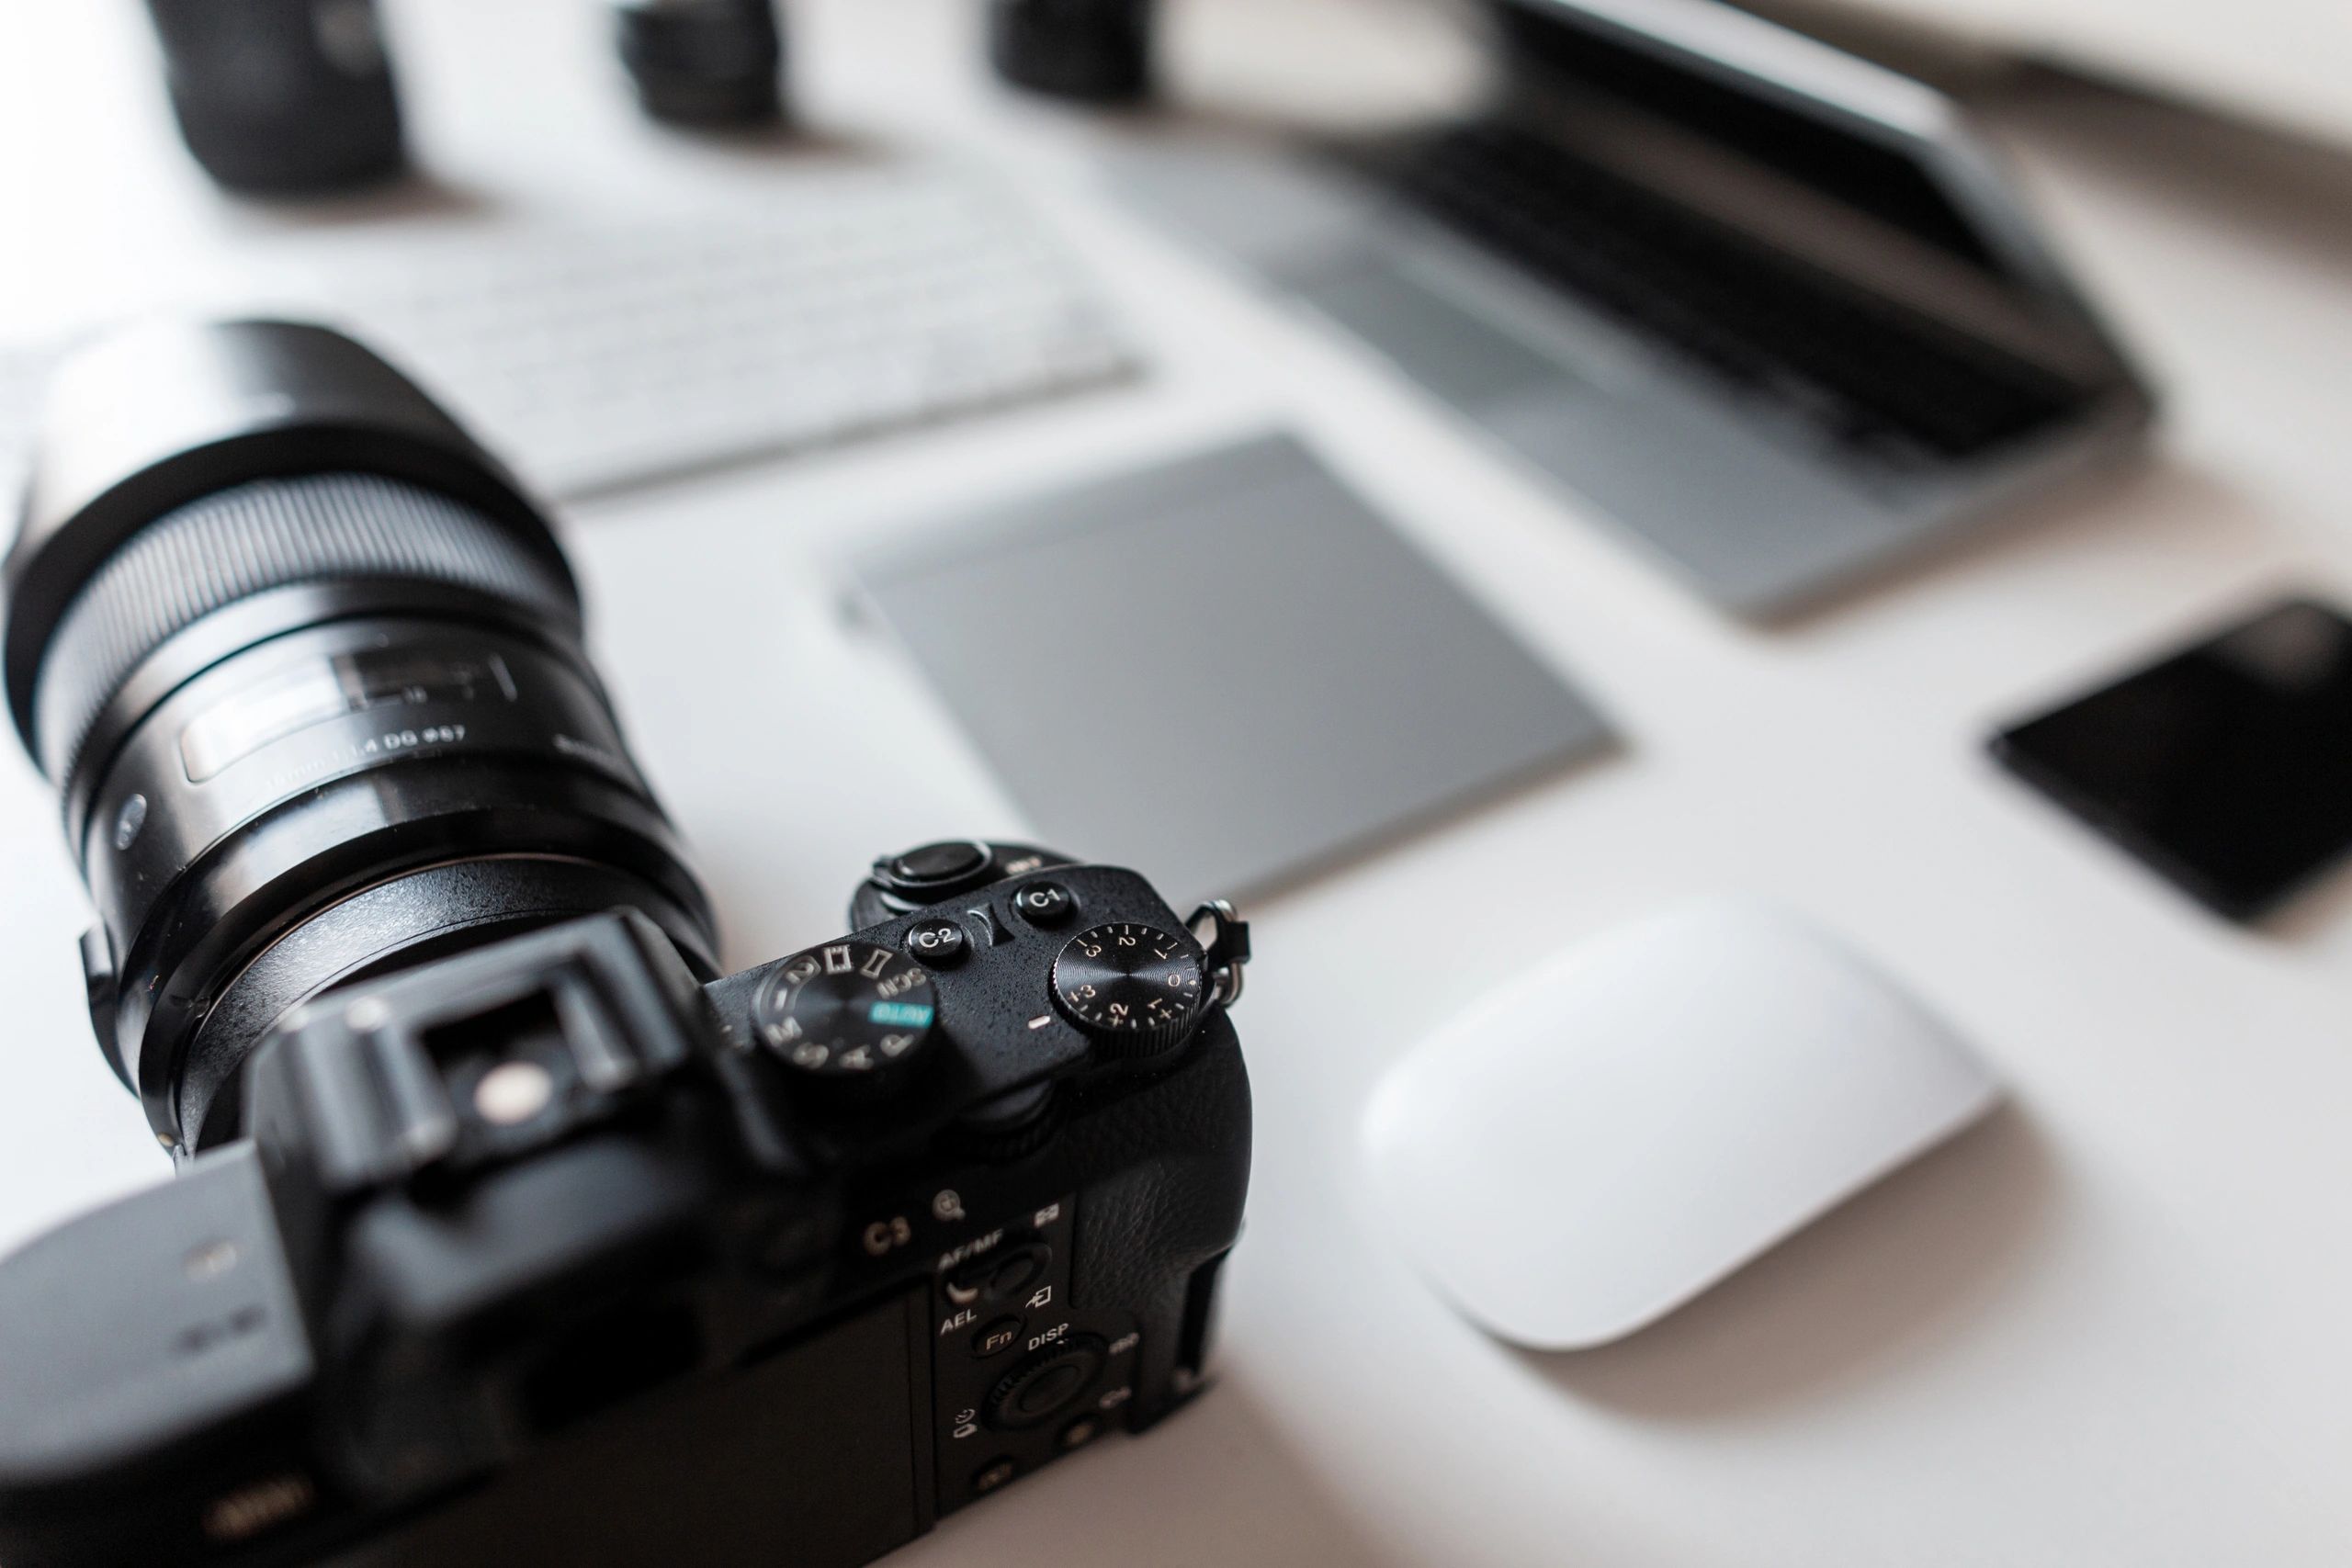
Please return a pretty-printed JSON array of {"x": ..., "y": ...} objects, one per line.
[{"x": 507, "y": 1230}]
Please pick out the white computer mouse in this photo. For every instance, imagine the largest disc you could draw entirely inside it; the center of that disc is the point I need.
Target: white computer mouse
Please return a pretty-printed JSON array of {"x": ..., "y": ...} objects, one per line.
[{"x": 1592, "y": 1146}]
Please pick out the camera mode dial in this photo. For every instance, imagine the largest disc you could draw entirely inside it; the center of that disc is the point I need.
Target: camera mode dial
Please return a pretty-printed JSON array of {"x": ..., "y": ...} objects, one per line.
[
  {"x": 1136, "y": 990},
  {"x": 849, "y": 1015}
]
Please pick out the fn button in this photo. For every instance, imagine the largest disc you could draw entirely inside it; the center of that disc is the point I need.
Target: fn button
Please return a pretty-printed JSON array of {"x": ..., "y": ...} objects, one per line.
[{"x": 997, "y": 1338}]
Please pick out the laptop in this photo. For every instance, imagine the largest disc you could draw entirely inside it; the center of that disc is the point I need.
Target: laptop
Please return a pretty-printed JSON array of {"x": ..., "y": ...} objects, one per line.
[
  {"x": 2277, "y": 62},
  {"x": 1772, "y": 310}
]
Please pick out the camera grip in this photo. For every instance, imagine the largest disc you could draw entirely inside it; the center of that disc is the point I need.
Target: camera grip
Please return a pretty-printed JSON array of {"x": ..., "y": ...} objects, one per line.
[{"x": 1150, "y": 1236}]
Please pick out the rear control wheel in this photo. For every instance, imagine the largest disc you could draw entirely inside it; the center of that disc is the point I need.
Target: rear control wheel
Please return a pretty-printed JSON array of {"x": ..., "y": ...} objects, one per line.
[{"x": 1046, "y": 1385}]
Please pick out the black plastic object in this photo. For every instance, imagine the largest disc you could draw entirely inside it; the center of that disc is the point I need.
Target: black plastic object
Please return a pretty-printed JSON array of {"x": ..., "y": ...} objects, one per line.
[
  {"x": 305, "y": 666},
  {"x": 1091, "y": 50},
  {"x": 282, "y": 97},
  {"x": 2226, "y": 767},
  {"x": 528, "y": 1258},
  {"x": 714, "y": 62}
]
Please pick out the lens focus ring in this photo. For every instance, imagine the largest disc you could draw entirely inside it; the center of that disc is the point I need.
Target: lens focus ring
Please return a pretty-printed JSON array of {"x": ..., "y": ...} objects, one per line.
[{"x": 257, "y": 537}]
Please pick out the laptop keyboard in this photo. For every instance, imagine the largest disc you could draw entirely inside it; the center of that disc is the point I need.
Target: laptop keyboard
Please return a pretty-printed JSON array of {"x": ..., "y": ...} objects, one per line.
[
  {"x": 1870, "y": 376},
  {"x": 594, "y": 354}
]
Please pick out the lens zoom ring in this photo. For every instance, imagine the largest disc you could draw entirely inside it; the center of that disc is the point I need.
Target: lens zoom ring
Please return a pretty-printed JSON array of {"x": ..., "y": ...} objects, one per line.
[{"x": 264, "y": 535}]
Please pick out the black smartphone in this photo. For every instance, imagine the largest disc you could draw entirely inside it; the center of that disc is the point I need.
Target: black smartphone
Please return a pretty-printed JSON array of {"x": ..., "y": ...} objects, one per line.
[{"x": 2226, "y": 767}]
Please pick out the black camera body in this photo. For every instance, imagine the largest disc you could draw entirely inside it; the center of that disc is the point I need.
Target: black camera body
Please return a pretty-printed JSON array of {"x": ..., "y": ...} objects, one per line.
[
  {"x": 779, "y": 1270},
  {"x": 508, "y": 1230}
]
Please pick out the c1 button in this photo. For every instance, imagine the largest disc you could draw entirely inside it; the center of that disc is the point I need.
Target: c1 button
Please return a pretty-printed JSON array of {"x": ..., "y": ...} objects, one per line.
[
  {"x": 939, "y": 944},
  {"x": 993, "y": 1474},
  {"x": 997, "y": 1338},
  {"x": 1044, "y": 904}
]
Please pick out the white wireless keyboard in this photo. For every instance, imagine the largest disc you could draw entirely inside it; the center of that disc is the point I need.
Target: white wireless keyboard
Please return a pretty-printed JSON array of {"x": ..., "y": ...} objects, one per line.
[{"x": 593, "y": 355}]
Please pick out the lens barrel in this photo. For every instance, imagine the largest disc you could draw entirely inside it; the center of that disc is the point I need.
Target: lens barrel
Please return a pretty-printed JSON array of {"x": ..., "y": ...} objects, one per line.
[{"x": 305, "y": 665}]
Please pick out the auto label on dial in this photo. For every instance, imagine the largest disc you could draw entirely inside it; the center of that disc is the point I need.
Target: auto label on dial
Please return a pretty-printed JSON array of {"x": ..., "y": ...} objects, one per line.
[
  {"x": 847, "y": 1013},
  {"x": 1138, "y": 989}
]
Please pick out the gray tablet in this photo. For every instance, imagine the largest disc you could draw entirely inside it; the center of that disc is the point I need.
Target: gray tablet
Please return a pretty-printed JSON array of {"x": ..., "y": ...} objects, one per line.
[{"x": 1226, "y": 671}]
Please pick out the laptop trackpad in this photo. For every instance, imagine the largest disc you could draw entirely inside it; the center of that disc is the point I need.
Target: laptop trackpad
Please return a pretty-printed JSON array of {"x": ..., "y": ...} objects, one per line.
[
  {"x": 1755, "y": 523},
  {"x": 1275, "y": 215},
  {"x": 1759, "y": 527},
  {"x": 1456, "y": 353}
]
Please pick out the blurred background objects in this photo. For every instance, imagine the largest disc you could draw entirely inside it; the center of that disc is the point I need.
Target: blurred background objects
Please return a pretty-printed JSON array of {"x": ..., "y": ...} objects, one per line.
[{"x": 877, "y": 398}]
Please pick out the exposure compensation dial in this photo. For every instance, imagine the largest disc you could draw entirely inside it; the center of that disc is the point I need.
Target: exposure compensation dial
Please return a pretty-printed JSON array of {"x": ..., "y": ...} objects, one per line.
[{"x": 1136, "y": 990}]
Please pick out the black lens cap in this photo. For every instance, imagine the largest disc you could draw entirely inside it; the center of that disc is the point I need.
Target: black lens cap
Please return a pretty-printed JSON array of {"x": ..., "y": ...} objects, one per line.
[{"x": 703, "y": 61}]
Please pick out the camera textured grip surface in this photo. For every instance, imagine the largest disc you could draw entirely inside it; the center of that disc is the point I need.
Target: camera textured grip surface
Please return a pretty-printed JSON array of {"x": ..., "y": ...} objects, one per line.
[
  {"x": 1143, "y": 1232},
  {"x": 257, "y": 537}
]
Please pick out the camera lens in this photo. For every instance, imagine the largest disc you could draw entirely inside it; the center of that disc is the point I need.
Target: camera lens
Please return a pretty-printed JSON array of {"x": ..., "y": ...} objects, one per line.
[{"x": 305, "y": 666}]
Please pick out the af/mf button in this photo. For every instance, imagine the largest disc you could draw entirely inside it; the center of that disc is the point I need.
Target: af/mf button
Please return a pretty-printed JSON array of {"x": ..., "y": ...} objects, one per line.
[{"x": 998, "y": 1276}]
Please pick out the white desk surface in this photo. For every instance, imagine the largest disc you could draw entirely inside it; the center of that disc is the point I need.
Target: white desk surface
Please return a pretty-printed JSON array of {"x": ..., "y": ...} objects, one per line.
[{"x": 2114, "y": 1326}]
